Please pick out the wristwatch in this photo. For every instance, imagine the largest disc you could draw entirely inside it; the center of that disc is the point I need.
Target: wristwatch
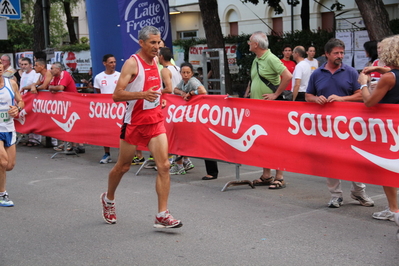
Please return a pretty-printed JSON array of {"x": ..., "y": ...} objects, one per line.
[{"x": 19, "y": 108}]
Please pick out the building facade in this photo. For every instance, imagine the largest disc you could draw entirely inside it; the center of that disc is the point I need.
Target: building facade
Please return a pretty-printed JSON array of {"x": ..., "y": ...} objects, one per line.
[{"x": 239, "y": 18}]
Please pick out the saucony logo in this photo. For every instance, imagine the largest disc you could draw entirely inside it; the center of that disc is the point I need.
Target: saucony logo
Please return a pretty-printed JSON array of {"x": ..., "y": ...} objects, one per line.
[
  {"x": 246, "y": 141},
  {"x": 388, "y": 164},
  {"x": 67, "y": 126}
]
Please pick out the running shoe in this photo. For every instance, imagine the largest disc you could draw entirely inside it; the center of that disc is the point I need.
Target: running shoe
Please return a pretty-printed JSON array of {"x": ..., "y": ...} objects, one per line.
[
  {"x": 106, "y": 159},
  {"x": 335, "y": 202},
  {"x": 5, "y": 201},
  {"x": 167, "y": 221},
  {"x": 109, "y": 214},
  {"x": 396, "y": 218},
  {"x": 384, "y": 215},
  {"x": 137, "y": 161},
  {"x": 188, "y": 165},
  {"x": 363, "y": 199},
  {"x": 177, "y": 170}
]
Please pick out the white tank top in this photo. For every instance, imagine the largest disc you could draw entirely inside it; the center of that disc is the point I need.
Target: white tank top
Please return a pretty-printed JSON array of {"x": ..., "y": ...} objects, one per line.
[{"x": 6, "y": 100}]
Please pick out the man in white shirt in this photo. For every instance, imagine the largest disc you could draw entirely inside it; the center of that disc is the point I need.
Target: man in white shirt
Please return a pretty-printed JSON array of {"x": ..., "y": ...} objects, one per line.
[
  {"x": 29, "y": 76},
  {"x": 314, "y": 64},
  {"x": 301, "y": 75},
  {"x": 105, "y": 83}
]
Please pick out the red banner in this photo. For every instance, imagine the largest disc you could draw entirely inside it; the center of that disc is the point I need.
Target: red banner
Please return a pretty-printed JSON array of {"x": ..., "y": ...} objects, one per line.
[{"x": 340, "y": 140}]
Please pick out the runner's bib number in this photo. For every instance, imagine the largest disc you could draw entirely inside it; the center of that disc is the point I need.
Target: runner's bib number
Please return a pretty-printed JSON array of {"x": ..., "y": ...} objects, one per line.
[
  {"x": 4, "y": 116},
  {"x": 151, "y": 105}
]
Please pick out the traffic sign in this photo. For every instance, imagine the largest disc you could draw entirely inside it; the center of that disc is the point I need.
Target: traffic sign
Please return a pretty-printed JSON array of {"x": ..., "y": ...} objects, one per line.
[{"x": 10, "y": 9}]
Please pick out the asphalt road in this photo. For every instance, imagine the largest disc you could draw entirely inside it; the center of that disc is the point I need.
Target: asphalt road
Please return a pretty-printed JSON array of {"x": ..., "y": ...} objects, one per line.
[{"x": 57, "y": 218}]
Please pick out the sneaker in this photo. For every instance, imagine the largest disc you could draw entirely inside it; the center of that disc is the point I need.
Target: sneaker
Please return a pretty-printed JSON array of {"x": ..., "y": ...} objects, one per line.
[
  {"x": 151, "y": 159},
  {"x": 167, "y": 222},
  {"x": 106, "y": 159},
  {"x": 137, "y": 161},
  {"x": 384, "y": 215},
  {"x": 5, "y": 201},
  {"x": 188, "y": 165},
  {"x": 176, "y": 170},
  {"x": 396, "y": 218},
  {"x": 363, "y": 199},
  {"x": 335, "y": 202},
  {"x": 109, "y": 214},
  {"x": 80, "y": 149}
]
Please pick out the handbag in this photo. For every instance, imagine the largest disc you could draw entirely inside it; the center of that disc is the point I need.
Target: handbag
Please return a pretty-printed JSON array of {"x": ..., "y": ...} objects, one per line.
[{"x": 284, "y": 96}]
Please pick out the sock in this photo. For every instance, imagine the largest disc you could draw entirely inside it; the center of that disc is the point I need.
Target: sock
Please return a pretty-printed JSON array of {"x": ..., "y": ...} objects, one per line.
[
  {"x": 109, "y": 201},
  {"x": 107, "y": 153},
  {"x": 161, "y": 214},
  {"x": 180, "y": 165},
  {"x": 3, "y": 193},
  {"x": 186, "y": 160}
]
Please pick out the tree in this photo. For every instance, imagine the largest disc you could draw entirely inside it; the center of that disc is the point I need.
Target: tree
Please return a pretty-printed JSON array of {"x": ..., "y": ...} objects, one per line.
[
  {"x": 375, "y": 17},
  {"x": 73, "y": 39},
  {"x": 214, "y": 36}
]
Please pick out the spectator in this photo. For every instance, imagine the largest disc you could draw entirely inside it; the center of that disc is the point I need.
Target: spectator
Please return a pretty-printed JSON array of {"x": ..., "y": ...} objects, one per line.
[
  {"x": 45, "y": 77},
  {"x": 335, "y": 81},
  {"x": 301, "y": 74},
  {"x": 105, "y": 83},
  {"x": 9, "y": 71},
  {"x": 287, "y": 62},
  {"x": 188, "y": 87},
  {"x": 386, "y": 91},
  {"x": 267, "y": 66},
  {"x": 314, "y": 63},
  {"x": 62, "y": 81},
  {"x": 89, "y": 83}
]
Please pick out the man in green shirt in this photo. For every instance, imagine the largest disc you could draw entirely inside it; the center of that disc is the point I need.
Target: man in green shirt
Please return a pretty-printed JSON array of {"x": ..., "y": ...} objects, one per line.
[{"x": 267, "y": 65}]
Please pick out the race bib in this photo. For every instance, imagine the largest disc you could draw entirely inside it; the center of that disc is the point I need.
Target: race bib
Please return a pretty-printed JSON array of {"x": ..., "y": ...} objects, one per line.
[
  {"x": 4, "y": 116},
  {"x": 151, "y": 105}
]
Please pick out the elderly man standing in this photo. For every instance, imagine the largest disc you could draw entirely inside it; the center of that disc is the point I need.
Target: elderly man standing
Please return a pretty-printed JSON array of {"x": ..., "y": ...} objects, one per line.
[
  {"x": 9, "y": 71},
  {"x": 336, "y": 81},
  {"x": 267, "y": 66}
]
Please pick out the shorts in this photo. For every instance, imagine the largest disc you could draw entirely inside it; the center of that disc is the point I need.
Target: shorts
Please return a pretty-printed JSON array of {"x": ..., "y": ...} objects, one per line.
[
  {"x": 9, "y": 138},
  {"x": 141, "y": 134}
]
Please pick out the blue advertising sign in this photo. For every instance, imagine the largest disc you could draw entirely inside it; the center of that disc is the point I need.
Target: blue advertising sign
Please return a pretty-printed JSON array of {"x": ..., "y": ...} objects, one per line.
[
  {"x": 10, "y": 9},
  {"x": 136, "y": 14}
]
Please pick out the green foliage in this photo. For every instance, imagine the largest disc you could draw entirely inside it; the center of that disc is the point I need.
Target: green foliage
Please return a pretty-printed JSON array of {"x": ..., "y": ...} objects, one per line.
[
  {"x": 74, "y": 47},
  {"x": 57, "y": 29},
  {"x": 20, "y": 37}
]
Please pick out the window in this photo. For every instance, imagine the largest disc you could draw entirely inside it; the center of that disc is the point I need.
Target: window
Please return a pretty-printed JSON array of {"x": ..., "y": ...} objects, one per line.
[
  {"x": 76, "y": 26},
  {"x": 188, "y": 34}
]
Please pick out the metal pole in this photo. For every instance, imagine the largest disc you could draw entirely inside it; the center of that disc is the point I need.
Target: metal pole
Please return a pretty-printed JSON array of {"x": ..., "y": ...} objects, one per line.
[{"x": 45, "y": 25}]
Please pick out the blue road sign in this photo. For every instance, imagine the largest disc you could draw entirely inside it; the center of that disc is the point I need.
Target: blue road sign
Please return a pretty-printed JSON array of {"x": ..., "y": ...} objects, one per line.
[{"x": 10, "y": 9}]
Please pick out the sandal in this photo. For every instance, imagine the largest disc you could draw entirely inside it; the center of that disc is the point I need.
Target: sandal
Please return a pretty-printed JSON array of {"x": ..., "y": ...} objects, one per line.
[
  {"x": 262, "y": 181},
  {"x": 32, "y": 144},
  {"x": 277, "y": 184}
]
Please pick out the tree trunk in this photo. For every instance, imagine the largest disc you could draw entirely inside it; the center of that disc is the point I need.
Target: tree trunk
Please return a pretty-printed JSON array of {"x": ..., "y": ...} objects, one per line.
[
  {"x": 214, "y": 37},
  {"x": 69, "y": 22},
  {"x": 39, "y": 42},
  {"x": 305, "y": 15},
  {"x": 375, "y": 17}
]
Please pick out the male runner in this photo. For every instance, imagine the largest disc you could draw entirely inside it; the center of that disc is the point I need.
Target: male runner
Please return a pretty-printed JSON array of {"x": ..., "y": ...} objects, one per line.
[
  {"x": 140, "y": 85},
  {"x": 10, "y": 105}
]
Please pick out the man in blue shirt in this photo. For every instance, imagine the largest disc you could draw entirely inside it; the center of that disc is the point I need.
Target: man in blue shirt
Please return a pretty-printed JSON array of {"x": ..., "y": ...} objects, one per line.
[{"x": 335, "y": 81}]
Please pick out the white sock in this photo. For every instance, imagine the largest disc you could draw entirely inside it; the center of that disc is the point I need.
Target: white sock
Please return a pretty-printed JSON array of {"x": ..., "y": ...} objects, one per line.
[
  {"x": 3, "y": 193},
  {"x": 161, "y": 214},
  {"x": 108, "y": 200}
]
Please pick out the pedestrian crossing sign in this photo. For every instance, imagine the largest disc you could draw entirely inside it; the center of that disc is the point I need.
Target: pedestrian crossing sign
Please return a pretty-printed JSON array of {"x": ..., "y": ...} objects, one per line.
[{"x": 10, "y": 9}]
